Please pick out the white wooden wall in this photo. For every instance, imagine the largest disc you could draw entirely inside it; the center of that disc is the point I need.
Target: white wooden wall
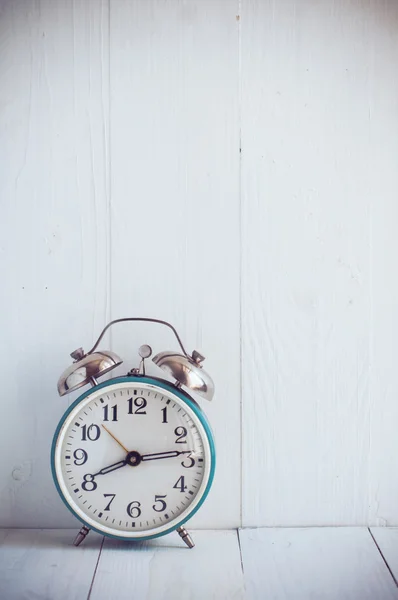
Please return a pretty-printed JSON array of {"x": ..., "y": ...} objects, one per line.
[{"x": 228, "y": 165}]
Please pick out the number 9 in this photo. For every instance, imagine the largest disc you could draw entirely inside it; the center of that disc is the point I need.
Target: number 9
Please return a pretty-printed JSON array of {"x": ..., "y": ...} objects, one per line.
[{"x": 82, "y": 457}]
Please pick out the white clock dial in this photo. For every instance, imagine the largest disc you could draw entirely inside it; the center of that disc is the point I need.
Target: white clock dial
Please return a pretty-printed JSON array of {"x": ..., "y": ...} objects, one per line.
[{"x": 132, "y": 459}]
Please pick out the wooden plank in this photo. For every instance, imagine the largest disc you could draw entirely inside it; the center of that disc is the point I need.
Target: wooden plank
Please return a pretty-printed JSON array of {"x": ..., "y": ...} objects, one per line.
[
  {"x": 53, "y": 229},
  {"x": 383, "y": 185},
  {"x": 166, "y": 568},
  {"x": 322, "y": 563},
  {"x": 386, "y": 539},
  {"x": 44, "y": 564},
  {"x": 175, "y": 202},
  {"x": 318, "y": 135}
]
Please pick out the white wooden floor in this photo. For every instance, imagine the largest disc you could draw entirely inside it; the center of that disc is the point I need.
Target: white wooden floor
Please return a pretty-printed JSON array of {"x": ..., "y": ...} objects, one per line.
[{"x": 301, "y": 564}]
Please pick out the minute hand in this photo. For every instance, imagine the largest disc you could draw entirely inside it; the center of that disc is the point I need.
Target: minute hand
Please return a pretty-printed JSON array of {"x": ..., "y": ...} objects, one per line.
[{"x": 158, "y": 455}]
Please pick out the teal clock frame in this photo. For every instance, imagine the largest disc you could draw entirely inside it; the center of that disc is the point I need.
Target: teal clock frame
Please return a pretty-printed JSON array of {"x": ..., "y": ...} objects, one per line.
[{"x": 166, "y": 385}]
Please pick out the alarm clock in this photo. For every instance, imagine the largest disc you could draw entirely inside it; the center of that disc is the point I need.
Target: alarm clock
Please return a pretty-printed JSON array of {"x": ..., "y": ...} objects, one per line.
[{"x": 133, "y": 457}]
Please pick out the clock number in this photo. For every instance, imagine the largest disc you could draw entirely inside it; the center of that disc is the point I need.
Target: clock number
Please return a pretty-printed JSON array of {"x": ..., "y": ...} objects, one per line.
[
  {"x": 180, "y": 432},
  {"x": 133, "y": 509},
  {"x": 180, "y": 484},
  {"x": 139, "y": 404},
  {"x": 164, "y": 411},
  {"x": 162, "y": 503},
  {"x": 110, "y": 501},
  {"x": 82, "y": 457},
  {"x": 106, "y": 413},
  {"x": 91, "y": 433},
  {"x": 192, "y": 462},
  {"x": 89, "y": 485}
]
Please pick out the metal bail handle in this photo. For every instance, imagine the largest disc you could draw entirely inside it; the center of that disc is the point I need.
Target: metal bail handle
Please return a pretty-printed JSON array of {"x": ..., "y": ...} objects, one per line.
[{"x": 185, "y": 369}]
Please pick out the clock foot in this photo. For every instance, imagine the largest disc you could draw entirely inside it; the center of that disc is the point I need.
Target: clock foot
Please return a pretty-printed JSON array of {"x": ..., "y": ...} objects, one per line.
[
  {"x": 81, "y": 535},
  {"x": 183, "y": 533}
]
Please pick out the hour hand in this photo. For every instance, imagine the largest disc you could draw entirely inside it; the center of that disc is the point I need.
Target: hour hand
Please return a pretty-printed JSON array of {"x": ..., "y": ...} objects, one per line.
[
  {"x": 114, "y": 467},
  {"x": 171, "y": 454}
]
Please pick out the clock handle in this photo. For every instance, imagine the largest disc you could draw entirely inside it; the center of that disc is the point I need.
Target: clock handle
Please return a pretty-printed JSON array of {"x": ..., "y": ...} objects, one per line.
[{"x": 144, "y": 319}]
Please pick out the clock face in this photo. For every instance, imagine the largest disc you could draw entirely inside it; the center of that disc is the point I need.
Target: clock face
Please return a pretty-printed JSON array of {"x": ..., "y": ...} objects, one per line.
[{"x": 132, "y": 459}]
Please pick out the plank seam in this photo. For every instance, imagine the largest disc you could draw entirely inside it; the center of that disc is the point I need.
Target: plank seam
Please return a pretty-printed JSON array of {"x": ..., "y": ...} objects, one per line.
[
  {"x": 383, "y": 557},
  {"x": 109, "y": 190},
  {"x": 240, "y": 552},
  {"x": 240, "y": 255},
  {"x": 95, "y": 569},
  {"x": 108, "y": 294}
]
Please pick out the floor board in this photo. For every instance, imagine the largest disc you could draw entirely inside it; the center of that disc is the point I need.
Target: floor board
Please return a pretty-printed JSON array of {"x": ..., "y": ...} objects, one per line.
[
  {"x": 165, "y": 569},
  {"x": 317, "y": 563},
  {"x": 37, "y": 564},
  {"x": 278, "y": 564}
]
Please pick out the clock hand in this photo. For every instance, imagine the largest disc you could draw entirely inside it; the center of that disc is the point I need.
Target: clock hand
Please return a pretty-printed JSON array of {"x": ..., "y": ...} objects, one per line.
[
  {"x": 115, "y": 438},
  {"x": 134, "y": 459},
  {"x": 110, "y": 468},
  {"x": 159, "y": 455},
  {"x": 155, "y": 456}
]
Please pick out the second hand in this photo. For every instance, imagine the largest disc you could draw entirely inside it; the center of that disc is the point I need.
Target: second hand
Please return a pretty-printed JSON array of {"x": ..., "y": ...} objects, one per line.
[{"x": 115, "y": 438}]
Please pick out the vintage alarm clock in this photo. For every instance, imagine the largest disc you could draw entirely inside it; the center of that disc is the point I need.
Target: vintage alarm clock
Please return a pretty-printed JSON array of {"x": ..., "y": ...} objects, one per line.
[{"x": 133, "y": 457}]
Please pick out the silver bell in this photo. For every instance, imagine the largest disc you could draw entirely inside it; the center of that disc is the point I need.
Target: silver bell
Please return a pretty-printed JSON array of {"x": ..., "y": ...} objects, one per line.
[
  {"x": 187, "y": 372},
  {"x": 86, "y": 369}
]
